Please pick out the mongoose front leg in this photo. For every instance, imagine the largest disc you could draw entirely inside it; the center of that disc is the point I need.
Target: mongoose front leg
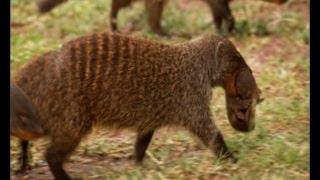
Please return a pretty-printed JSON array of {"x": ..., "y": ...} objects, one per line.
[
  {"x": 141, "y": 145},
  {"x": 212, "y": 137},
  {"x": 154, "y": 9},
  {"x": 59, "y": 149},
  {"x": 116, "y": 5},
  {"x": 24, "y": 157}
]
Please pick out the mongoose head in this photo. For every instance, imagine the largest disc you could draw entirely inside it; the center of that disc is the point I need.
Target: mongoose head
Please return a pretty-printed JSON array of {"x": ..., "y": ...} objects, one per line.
[
  {"x": 242, "y": 92},
  {"x": 242, "y": 97},
  {"x": 24, "y": 122}
]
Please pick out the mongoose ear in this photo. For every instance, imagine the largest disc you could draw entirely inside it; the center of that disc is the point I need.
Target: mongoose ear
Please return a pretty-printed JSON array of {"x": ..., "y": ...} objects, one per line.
[
  {"x": 217, "y": 59},
  {"x": 260, "y": 99},
  {"x": 245, "y": 83}
]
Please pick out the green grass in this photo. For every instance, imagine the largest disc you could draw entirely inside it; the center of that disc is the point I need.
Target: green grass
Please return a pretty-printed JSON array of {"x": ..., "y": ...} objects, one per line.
[{"x": 273, "y": 40}]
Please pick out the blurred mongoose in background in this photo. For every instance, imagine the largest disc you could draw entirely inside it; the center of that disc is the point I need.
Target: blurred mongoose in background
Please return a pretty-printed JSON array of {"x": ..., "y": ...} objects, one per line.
[
  {"x": 112, "y": 80},
  {"x": 45, "y": 6},
  {"x": 24, "y": 122},
  {"x": 220, "y": 10}
]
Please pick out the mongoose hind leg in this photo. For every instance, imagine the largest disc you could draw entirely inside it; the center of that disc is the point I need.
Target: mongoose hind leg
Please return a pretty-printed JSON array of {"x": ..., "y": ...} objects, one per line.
[{"x": 141, "y": 145}]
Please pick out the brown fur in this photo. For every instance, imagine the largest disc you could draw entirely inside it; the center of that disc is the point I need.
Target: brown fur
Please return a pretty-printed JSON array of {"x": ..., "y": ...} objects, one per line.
[
  {"x": 220, "y": 10},
  {"x": 113, "y": 80}
]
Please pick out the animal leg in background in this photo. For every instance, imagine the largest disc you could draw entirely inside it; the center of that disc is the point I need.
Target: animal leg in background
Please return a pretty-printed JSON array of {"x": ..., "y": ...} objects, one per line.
[
  {"x": 221, "y": 12},
  {"x": 116, "y": 5},
  {"x": 154, "y": 10},
  {"x": 24, "y": 157}
]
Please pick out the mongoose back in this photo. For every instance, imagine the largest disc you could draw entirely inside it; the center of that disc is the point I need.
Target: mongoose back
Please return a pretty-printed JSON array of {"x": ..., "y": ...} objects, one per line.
[
  {"x": 220, "y": 10},
  {"x": 113, "y": 80},
  {"x": 24, "y": 122}
]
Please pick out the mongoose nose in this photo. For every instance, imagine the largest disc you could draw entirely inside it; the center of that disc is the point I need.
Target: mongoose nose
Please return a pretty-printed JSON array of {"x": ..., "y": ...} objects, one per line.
[
  {"x": 251, "y": 127},
  {"x": 241, "y": 115}
]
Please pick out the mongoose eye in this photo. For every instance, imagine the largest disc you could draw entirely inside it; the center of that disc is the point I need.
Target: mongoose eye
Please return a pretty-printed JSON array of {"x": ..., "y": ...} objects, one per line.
[
  {"x": 24, "y": 120},
  {"x": 243, "y": 104},
  {"x": 243, "y": 110}
]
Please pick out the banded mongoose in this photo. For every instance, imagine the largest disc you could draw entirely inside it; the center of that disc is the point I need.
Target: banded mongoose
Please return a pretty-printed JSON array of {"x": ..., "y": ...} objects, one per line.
[
  {"x": 220, "y": 10},
  {"x": 113, "y": 80},
  {"x": 24, "y": 122}
]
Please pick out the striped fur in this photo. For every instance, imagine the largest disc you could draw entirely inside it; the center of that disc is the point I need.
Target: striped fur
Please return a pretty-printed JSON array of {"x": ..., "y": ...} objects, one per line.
[{"x": 113, "y": 80}]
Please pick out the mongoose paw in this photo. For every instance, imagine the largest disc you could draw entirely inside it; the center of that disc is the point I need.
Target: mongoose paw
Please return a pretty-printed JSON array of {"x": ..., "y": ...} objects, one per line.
[
  {"x": 162, "y": 33},
  {"x": 114, "y": 27},
  {"x": 138, "y": 163},
  {"x": 183, "y": 35},
  {"x": 233, "y": 159},
  {"x": 221, "y": 32},
  {"x": 229, "y": 156},
  {"x": 230, "y": 23},
  {"x": 22, "y": 170}
]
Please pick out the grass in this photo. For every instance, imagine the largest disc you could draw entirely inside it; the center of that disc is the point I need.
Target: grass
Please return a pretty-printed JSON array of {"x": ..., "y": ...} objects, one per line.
[{"x": 274, "y": 41}]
